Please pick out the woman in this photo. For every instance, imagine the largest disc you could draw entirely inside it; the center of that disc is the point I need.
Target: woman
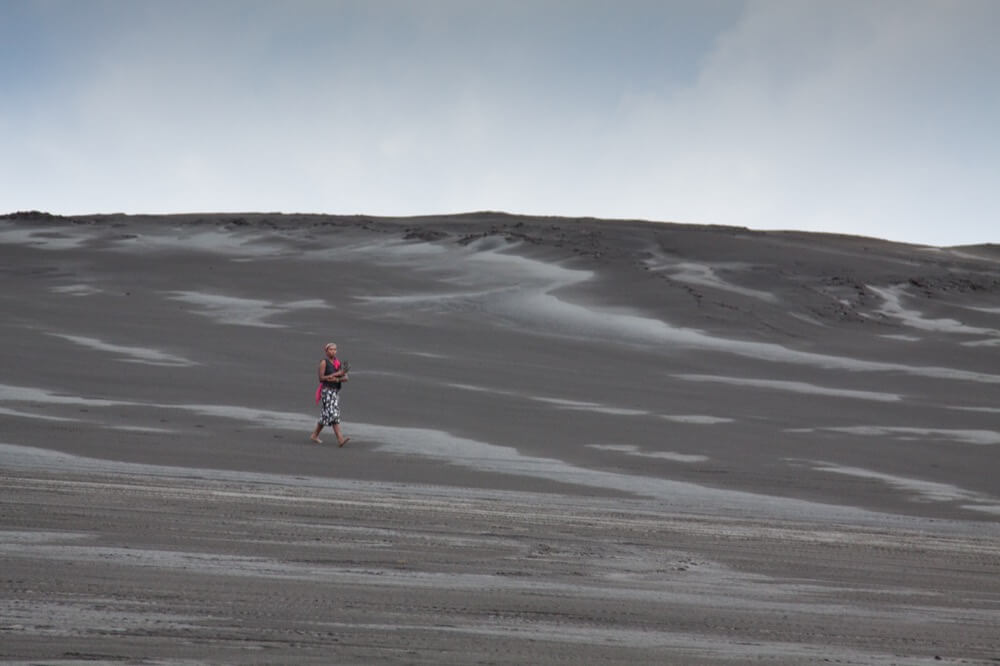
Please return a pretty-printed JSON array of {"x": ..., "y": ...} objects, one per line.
[{"x": 332, "y": 373}]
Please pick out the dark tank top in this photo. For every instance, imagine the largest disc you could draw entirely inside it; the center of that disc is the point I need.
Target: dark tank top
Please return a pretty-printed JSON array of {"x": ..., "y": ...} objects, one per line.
[{"x": 329, "y": 370}]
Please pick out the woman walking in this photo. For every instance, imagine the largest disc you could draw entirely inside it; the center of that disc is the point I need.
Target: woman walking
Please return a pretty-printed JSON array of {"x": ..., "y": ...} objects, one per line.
[{"x": 332, "y": 374}]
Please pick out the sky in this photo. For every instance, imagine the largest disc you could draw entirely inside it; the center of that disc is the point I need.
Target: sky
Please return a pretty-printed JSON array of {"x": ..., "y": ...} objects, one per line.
[{"x": 874, "y": 117}]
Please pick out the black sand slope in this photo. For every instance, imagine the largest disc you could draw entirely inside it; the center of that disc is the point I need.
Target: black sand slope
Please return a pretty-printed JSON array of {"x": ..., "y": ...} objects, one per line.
[{"x": 573, "y": 440}]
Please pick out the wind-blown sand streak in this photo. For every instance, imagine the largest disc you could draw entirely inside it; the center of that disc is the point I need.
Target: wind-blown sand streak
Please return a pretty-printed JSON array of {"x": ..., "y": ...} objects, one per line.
[
  {"x": 127, "y": 353},
  {"x": 795, "y": 387},
  {"x": 983, "y": 437}
]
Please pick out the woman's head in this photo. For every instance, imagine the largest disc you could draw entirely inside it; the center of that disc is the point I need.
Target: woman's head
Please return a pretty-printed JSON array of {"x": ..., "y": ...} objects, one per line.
[{"x": 330, "y": 348}]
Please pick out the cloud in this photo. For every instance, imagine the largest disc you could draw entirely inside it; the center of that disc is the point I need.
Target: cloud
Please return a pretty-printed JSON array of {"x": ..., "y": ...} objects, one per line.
[
  {"x": 833, "y": 117},
  {"x": 856, "y": 117}
]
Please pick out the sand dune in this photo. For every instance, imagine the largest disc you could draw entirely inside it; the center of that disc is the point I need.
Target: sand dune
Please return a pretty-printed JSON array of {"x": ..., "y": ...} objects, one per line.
[{"x": 608, "y": 441}]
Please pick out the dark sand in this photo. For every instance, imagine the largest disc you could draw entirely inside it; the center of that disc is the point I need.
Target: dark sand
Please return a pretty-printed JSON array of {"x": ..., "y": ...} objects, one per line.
[{"x": 573, "y": 441}]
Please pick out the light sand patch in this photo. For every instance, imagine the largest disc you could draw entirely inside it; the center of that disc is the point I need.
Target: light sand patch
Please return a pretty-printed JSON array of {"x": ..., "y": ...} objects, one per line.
[
  {"x": 590, "y": 407},
  {"x": 705, "y": 275},
  {"x": 15, "y": 456},
  {"x": 700, "y": 419},
  {"x": 631, "y": 450},
  {"x": 482, "y": 269},
  {"x": 794, "y": 387},
  {"x": 678, "y": 643},
  {"x": 267, "y": 418},
  {"x": 901, "y": 337},
  {"x": 140, "y": 429},
  {"x": 472, "y": 387},
  {"x": 424, "y": 354},
  {"x": 927, "y": 491},
  {"x": 236, "y": 244},
  {"x": 29, "y": 415},
  {"x": 989, "y": 342},
  {"x": 893, "y": 307},
  {"x": 984, "y": 256},
  {"x": 41, "y": 536},
  {"x": 390, "y": 251},
  {"x": 50, "y": 238},
  {"x": 131, "y": 354},
  {"x": 549, "y": 312},
  {"x": 448, "y": 301},
  {"x": 22, "y": 394},
  {"x": 250, "y": 415},
  {"x": 988, "y": 410},
  {"x": 930, "y": 491},
  {"x": 807, "y": 319},
  {"x": 983, "y": 437},
  {"x": 242, "y": 311},
  {"x": 76, "y": 290},
  {"x": 515, "y": 268},
  {"x": 993, "y": 509},
  {"x": 562, "y": 403},
  {"x": 9, "y": 393}
]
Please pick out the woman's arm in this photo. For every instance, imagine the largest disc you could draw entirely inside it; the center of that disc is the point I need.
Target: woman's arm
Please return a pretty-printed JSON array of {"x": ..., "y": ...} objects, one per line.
[{"x": 338, "y": 376}]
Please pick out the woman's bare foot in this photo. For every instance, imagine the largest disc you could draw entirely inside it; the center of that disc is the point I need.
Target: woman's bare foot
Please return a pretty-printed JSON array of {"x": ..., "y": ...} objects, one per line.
[
  {"x": 344, "y": 441},
  {"x": 316, "y": 439}
]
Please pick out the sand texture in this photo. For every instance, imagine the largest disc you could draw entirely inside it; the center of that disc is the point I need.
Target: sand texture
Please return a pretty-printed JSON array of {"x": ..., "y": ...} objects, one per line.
[{"x": 572, "y": 441}]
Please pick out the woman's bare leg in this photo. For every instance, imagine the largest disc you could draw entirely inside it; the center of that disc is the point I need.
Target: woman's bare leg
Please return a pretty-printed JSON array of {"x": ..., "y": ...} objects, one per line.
[
  {"x": 341, "y": 440},
  {"x": 315, "y": 433}
]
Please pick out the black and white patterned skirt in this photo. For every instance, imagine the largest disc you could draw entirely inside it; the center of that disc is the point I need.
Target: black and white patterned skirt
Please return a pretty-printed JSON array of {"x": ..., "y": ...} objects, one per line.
[{"x": 331, "y": 406}]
